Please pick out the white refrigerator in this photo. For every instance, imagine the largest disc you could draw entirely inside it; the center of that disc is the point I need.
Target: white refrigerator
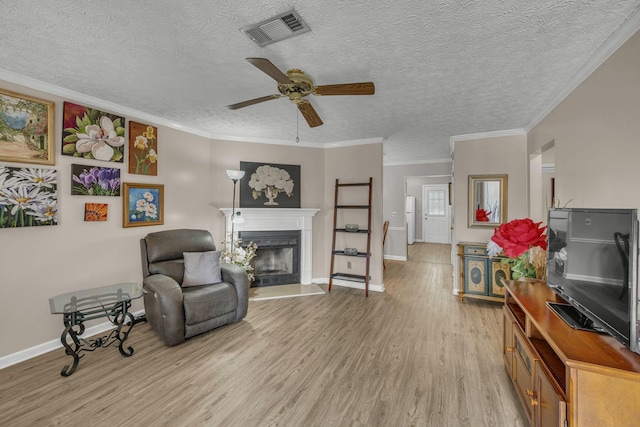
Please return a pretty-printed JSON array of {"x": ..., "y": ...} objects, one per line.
[{"x": 410, "y": 212}]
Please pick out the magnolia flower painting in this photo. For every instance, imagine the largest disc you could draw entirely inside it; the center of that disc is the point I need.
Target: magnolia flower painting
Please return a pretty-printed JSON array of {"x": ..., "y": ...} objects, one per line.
[
  {"x": 28, "y": 197},
  {"x": 95, "y": 181},
  {"x": 143, "y": 149},
  {"x": 270, "y": 185},
  {"x": 92, "y": 134}
]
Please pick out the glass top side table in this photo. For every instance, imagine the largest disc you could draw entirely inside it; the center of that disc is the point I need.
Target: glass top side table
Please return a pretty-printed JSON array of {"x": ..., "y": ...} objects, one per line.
[{"x": 77, "y": 307}]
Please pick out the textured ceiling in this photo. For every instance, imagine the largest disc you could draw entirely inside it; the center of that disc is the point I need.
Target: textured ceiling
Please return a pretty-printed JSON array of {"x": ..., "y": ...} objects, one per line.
[{"x": 441, "y": 68}]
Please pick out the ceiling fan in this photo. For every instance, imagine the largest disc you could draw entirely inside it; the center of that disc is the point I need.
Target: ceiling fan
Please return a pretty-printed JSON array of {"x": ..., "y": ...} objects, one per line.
[{"x": 296, "y": 85}]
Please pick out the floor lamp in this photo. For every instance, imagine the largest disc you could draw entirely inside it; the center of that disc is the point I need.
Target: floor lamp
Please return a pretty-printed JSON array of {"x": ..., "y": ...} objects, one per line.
[{"x": 234, "y": 175}]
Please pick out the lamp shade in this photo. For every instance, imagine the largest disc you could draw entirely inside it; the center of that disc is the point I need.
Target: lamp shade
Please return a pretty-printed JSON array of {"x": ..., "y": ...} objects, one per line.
[{"x": 235, "y": 174}]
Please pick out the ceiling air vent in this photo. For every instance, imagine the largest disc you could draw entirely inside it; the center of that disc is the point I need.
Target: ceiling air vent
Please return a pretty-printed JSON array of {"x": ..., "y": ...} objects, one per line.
[{"x": 283, "y": 26}]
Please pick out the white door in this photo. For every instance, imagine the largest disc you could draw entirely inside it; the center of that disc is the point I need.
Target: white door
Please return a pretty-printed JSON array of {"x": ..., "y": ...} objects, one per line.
[{"x": 436, "y": 214}]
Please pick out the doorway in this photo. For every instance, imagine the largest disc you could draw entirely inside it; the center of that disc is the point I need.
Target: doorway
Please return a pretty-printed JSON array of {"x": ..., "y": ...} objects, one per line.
[{"x": 436, "y": 214}]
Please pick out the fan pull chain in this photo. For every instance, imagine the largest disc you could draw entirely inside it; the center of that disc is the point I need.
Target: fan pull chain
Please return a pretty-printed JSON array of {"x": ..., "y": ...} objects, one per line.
[{"x": 297, "y": 117}]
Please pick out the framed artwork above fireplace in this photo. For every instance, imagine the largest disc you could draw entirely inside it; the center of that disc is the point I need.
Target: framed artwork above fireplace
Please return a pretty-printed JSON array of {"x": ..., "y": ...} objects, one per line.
[{"x": 269, "y": 185}]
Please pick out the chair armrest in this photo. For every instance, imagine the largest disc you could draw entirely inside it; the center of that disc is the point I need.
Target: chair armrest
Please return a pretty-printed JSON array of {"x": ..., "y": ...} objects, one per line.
[
  {"x": 235, "y": 275},
  {"x": 164, "y": 308}
]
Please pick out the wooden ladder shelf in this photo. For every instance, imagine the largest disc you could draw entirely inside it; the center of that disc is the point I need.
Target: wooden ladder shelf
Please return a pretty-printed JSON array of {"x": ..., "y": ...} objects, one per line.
[{"x": 349, "y": 276}]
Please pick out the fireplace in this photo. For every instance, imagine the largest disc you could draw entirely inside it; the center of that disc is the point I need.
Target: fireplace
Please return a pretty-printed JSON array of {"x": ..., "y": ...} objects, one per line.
[
  {"x": 277, "y": 220},
  {"x": 277, "y": 260}
]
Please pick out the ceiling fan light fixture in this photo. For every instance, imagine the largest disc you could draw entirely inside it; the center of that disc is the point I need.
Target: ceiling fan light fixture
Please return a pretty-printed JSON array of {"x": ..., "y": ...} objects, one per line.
[{"x": 277, "y": 28}]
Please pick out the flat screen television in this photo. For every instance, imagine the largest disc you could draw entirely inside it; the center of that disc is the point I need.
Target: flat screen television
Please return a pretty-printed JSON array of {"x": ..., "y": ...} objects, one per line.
[{"x": 592, "y": 263}]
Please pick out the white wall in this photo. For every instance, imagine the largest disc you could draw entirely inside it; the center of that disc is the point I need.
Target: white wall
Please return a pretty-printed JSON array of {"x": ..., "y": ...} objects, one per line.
[
  {"x": 414, "y": 188},
  {"x": 503, "y": 155},
  {"x": 596, "y": 130},
  {"x": 37, "y": 263},
  {"x": 394, "y": 192},
  {"x": 355, "y": 164}
]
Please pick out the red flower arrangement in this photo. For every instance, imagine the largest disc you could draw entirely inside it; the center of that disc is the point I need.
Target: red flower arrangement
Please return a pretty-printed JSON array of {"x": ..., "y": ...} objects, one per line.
[
  {"x": 517, "y": 239},
  {"x": 482, "y": 215}
]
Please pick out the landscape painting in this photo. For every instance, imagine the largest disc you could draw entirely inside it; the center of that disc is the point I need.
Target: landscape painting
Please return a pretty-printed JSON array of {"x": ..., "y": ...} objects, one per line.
[
  {"x": 26, "y": 129},
  {"x": 92, "y": 134}
]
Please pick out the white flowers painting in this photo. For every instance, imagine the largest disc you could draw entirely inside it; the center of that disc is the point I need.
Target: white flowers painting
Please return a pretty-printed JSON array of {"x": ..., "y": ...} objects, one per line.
[
  {"x": 270, "y": 185},
  {"x": 28, "y": 197},
  {"x": 143, "y": 204}
]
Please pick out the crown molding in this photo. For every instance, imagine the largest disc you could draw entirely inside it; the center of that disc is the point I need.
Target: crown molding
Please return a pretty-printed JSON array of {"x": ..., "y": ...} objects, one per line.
[
  {"x": 366, "y": 141},
  {"x": 96, "y": 102},
  {"x": 617, "y": 39},
  {"x": 270, "y": 141},
  {"x": 418, "y": 162},
  {"x": 72, "y": 95},
  {"x": 493, "y": 134}
]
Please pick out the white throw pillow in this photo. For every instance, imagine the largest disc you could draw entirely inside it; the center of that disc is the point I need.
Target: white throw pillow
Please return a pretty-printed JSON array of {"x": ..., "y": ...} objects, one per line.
[{"x": 201, "y": 268}]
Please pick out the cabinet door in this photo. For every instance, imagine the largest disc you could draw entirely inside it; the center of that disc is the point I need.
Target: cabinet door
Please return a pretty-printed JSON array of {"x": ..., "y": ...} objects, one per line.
[
  {"x": 499, "y": 272},
  {"x": 507, "y": 341},
  {"x": 523, "y": 365},
  {"x": 475, "y": 275},
  {"x": 549, "y": 407}
]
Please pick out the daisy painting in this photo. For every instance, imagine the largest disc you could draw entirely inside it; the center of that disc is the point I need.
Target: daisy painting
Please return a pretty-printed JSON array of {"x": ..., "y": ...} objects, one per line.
[{"x": 28, "y": 197}]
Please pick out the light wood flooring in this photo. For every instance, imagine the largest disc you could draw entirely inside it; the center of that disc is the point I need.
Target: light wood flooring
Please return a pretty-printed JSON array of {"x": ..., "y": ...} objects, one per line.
[{"x": 412, "y": 356}]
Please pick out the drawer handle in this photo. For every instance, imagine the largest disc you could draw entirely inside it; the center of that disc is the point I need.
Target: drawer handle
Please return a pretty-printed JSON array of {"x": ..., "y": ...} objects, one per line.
[
  {"x": 533, "y": 398},
  {"x": 510, "y": 349}
]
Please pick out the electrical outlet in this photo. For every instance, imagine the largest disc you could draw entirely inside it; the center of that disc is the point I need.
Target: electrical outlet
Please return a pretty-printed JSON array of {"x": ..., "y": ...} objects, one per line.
[{"x": 349, "y": 265}]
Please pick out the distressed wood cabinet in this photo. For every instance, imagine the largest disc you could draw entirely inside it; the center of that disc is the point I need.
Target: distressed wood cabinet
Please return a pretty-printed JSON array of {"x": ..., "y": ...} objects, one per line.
[{"x": 481, "y": 277}]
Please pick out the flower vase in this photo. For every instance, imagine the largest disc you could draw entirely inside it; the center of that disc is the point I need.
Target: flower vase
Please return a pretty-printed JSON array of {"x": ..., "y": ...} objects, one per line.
[{"x": 271, "y": 195}]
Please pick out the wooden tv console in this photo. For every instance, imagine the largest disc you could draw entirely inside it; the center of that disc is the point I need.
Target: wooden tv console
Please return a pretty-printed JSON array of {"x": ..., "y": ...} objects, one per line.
[{"x": 563, "y": 376}]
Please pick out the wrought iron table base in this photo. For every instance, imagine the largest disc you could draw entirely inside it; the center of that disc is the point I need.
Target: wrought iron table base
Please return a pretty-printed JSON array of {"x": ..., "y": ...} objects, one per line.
[{"x": 74, "y": 327}]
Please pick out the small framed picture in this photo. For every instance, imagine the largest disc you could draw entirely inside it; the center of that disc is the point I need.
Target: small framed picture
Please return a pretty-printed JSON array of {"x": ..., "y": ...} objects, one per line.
[
  {"x": 95, "y": 212},
  {"x": 143, "y": 149},
  {"x": 26, "y": 129},
  {"x": 143, "y": 204}
]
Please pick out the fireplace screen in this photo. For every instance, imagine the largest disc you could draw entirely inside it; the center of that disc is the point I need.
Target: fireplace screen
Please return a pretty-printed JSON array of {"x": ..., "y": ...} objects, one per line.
[
  {"x": 277, "y": 260},
  {"x": 270, "y": 261}
]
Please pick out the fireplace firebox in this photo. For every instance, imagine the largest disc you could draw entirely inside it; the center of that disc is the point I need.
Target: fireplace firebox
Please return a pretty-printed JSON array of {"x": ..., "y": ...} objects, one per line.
[{"x": 277, "y": 260}]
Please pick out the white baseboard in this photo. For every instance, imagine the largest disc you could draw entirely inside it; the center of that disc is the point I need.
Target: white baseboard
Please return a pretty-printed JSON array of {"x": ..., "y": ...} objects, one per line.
[
  {"x": 395, "y": 257},
  {"x": 349, "y": 284},
  {"x": 37, "y": 350},
  {"x": 419, "y": 241}
]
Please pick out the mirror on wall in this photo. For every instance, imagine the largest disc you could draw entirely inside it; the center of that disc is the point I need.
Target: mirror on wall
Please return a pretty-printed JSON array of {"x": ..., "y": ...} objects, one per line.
[{"x": 487, "y": 200}]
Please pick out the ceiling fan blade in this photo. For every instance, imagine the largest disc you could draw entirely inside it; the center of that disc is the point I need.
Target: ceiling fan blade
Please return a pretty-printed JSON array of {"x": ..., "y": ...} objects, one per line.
[
  {"x": 271, "y": 70},
  {"x": 309, "y": 114},
  {"x": 364, "y": 88},
  {"x": 252, "y": 101}
]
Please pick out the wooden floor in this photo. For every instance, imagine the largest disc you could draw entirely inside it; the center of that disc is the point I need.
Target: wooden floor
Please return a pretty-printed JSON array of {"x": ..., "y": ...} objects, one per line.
[{"x": 412, "y": 356}]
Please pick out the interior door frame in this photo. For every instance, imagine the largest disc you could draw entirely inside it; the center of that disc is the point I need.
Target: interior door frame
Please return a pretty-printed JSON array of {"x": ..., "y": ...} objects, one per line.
[{"x": 446, "y": 188}]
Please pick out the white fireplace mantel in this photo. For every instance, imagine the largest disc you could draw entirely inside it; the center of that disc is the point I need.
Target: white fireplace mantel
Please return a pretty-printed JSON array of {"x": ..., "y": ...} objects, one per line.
[{"x": 268, "y": 219}]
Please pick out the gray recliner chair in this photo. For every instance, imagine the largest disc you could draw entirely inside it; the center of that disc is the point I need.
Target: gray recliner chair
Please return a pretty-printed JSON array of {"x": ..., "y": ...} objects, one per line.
[{"x": 174, "y": 312}]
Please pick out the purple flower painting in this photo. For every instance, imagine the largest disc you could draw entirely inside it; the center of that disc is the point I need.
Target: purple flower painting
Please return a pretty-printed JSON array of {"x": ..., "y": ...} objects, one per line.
[{"x": 95, "y": 181}]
